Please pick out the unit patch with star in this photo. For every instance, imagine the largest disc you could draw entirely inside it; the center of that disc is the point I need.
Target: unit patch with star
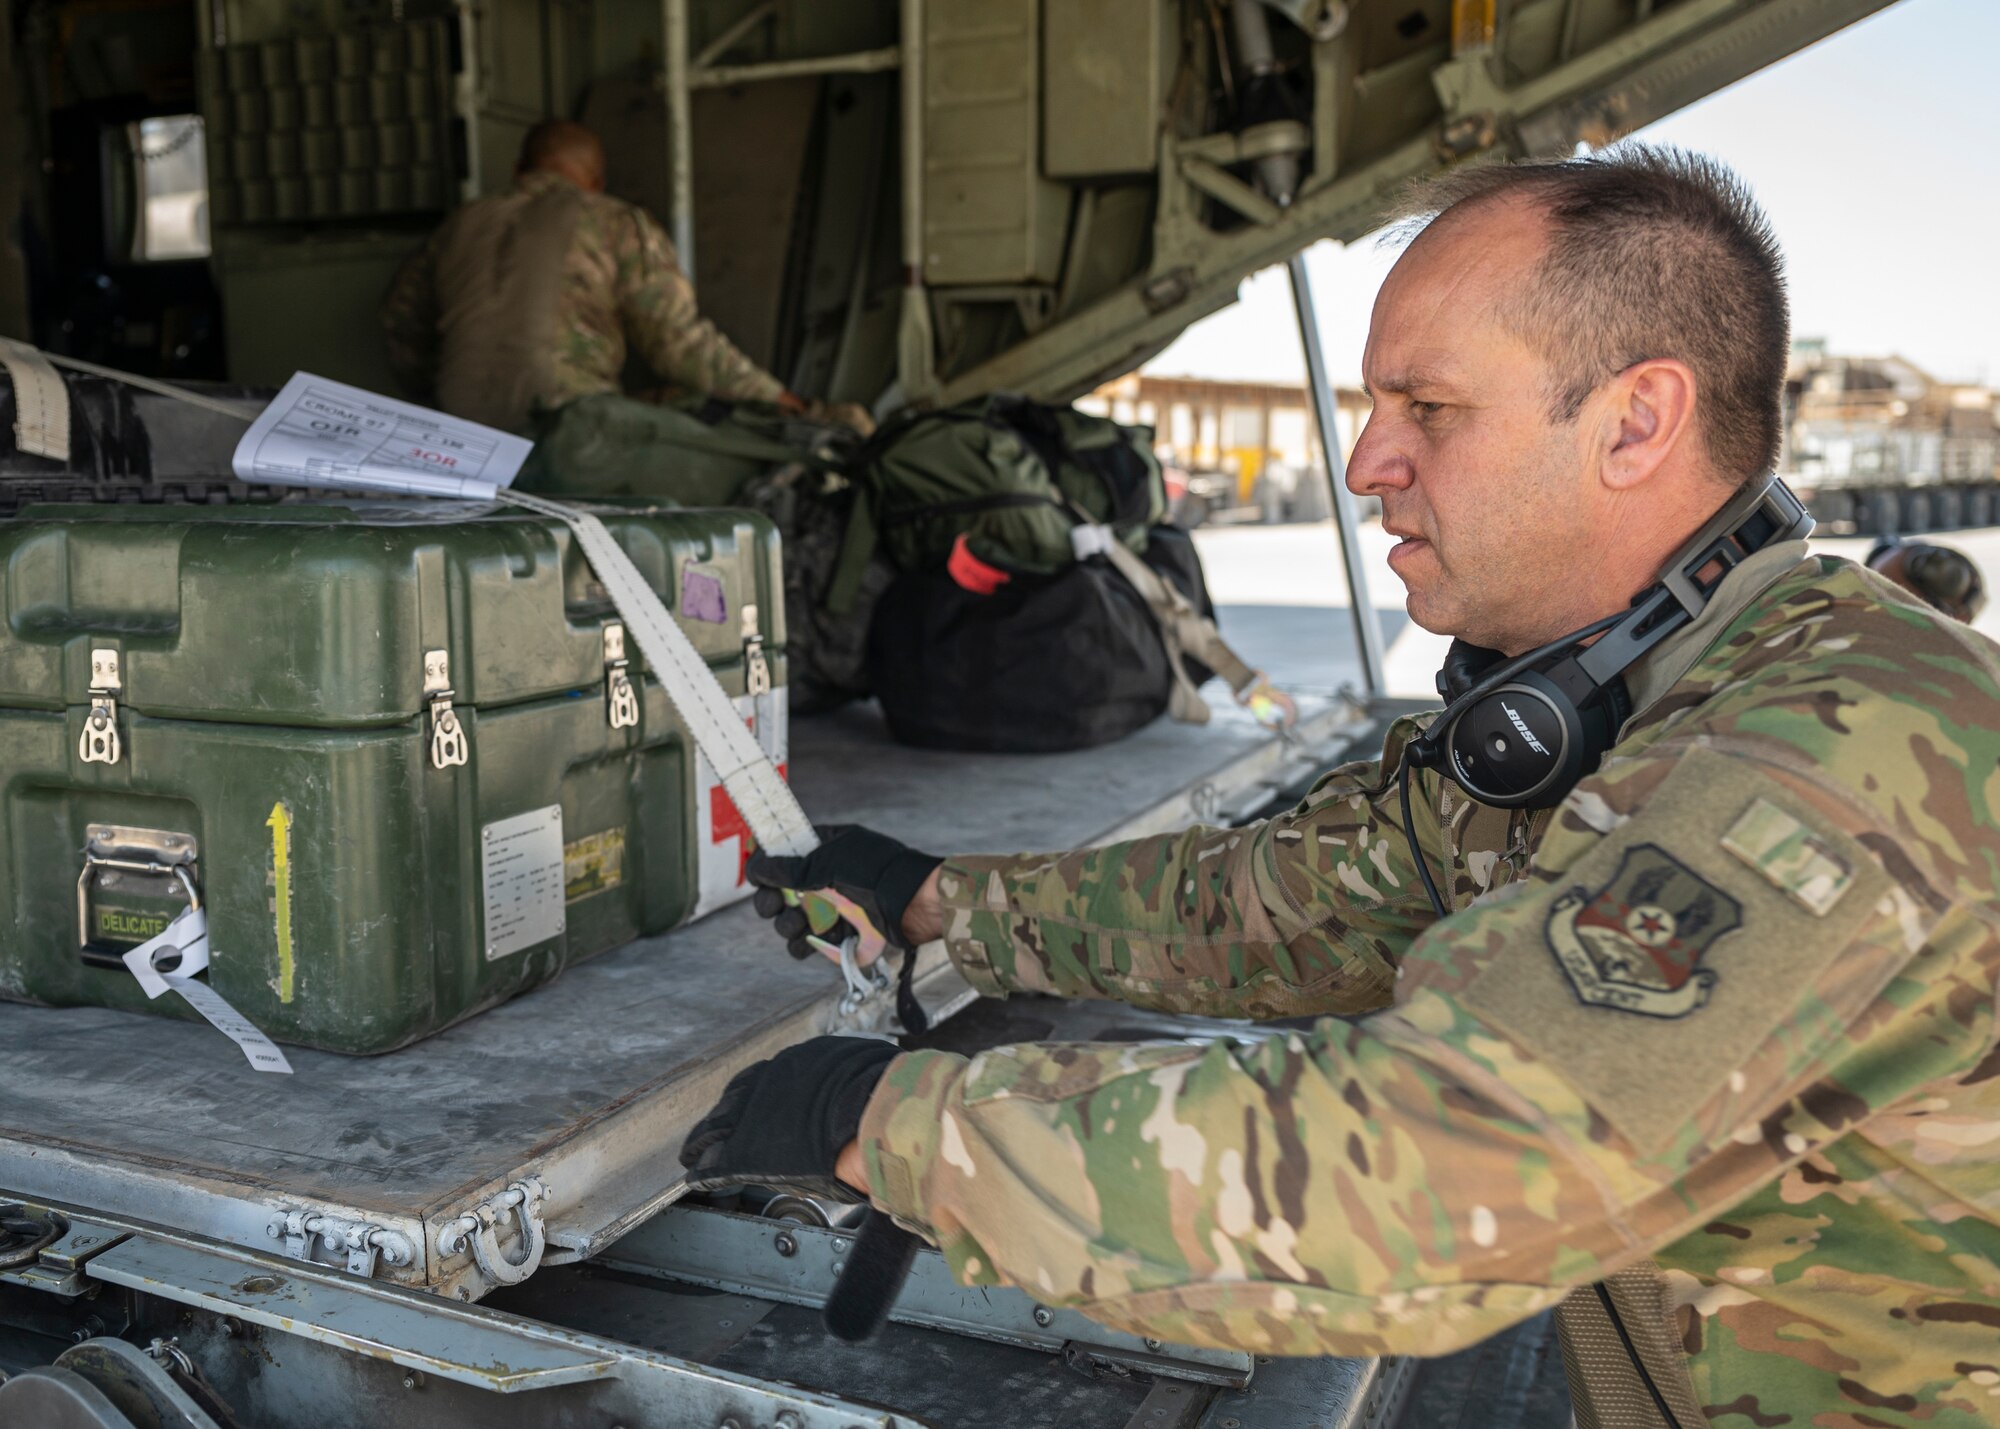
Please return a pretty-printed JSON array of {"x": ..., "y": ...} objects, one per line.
[
  {"x": 1681, "y": 966},
  {"x": 1636, "y": 944}
]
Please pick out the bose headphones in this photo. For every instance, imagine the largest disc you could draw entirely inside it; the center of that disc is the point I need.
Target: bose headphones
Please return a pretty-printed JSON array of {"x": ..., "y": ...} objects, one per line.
[{"x": 1520, "y": 733}]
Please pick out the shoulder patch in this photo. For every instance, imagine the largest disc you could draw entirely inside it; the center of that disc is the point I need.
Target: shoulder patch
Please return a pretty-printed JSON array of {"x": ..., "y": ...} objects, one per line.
[
  {"x": 1800, "y": 865},
  {"x": 1660, "y": 963},
  {"x": 1636, "y": 944}
]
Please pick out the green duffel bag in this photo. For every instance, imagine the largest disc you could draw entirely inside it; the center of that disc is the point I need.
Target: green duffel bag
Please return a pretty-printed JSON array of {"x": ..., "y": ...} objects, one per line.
[
  {"x": 1011, "y": 477},
  {"x": 692, "y": 451},
  {"x": 403, "y": 753}
]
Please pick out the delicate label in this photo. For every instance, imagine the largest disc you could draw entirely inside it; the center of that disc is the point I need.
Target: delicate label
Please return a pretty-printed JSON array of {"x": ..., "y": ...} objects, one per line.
[
  {"x": 702, "y": 597},
  {"x": 169, "y": 962},
  {"x": 523, "y": 861},
  {"x": 593, "y": 864},
  {"x": 318, "y": 432},
  {"x": 127, "y": 925}
]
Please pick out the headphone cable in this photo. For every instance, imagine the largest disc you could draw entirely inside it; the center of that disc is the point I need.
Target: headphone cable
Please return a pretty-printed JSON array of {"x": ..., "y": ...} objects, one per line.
[{"x": 1417, "y": 849}]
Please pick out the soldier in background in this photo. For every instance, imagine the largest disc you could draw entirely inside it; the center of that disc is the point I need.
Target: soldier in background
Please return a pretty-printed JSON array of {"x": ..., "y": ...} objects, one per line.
[
  {"x": 1704, "y": 1055},
  {"x": 533, "y": 298}
]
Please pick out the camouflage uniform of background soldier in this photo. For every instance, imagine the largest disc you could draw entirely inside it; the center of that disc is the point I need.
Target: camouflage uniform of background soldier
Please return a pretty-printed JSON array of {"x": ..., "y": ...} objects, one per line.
[
  {"x": 533, "y": 298},
  {"x": 1717, "y": 1030}
]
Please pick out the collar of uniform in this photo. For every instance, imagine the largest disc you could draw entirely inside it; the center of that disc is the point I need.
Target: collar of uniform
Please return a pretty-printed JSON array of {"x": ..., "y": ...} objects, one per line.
[
  {"x": 1662, "y": 669},
  {"x": 537, "y": 181}
]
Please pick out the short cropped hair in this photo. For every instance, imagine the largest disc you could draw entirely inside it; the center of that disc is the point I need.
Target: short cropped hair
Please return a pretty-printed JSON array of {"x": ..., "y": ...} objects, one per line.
[
  {"x": 1653, "y": 252},
  {"x": 555, "y": 141}
]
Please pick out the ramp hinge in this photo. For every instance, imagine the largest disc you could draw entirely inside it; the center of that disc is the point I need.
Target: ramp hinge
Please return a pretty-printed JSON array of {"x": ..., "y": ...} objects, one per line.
[
  {"x": 448, "y": 742},
  {"x": 756, "y": 671},
  {"x": 361, "y": 1243},
  {"x": 621, "y": 699},
  {"x": 99, "y": 743}
]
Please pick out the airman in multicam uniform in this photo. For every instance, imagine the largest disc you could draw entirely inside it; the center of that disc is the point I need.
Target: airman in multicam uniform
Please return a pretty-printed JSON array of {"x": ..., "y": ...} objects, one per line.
[
  {"x": 534, "y": 297},
  {"x": 1704, "y": 1055}
]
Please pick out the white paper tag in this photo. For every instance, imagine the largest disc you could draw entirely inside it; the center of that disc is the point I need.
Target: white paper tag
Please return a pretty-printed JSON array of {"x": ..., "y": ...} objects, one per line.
[
  {"x": 261, "y": 1050},
  {"x": 318, "y": 432},
  {"x": 188, "y": 936},
  {"x": 522, "y": 858}
]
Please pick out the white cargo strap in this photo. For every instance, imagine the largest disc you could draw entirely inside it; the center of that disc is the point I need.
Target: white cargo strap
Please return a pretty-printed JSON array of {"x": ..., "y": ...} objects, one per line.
[
  {"x": 761, "y": 795},
  {"x": 41, "y": 402}
]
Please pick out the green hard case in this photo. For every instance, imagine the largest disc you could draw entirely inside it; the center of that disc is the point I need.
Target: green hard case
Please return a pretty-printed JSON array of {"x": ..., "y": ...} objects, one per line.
[{"x": 281, "y": 753}]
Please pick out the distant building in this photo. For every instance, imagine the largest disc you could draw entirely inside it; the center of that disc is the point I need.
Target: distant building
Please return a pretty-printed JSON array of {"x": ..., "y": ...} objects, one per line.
[
  {"x": 1207, "y": 424},
  {"x": 1884, "y": 421}
]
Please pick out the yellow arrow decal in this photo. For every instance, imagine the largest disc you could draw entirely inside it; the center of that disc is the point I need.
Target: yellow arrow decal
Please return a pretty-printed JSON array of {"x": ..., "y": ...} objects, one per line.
[{"x": 280, "y": 824}]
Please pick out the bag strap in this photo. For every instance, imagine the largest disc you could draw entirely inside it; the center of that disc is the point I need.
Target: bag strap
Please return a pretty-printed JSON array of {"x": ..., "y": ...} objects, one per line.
[
  {"x": 857, "y": 549},
  {"x": 999, "y": 501},
  {"x": 737, "y": 442},
  {"x": 1187, "y": 632}
]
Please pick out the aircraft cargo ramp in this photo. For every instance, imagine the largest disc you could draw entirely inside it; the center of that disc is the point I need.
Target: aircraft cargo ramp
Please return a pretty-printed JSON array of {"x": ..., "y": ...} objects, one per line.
[{"x": 590, "y": 1083}]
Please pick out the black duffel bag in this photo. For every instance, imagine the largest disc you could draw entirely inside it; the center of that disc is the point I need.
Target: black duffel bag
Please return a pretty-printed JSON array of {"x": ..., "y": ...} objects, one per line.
[{"x": 1045, "y": 662}]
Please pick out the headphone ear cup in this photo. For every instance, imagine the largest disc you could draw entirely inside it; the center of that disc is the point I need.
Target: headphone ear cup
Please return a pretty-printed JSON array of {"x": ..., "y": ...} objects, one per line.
[
  {"x": 1464, "y": 664},
  {"x": 1519, "y": 746}
]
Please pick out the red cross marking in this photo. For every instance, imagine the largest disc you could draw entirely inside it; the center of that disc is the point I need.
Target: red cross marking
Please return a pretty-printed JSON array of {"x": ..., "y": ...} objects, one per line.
[{"x": 729, "y": 823}]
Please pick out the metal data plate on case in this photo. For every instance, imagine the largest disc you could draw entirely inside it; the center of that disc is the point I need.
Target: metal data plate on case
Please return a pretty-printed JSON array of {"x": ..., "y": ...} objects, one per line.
[{"x": 522, "y": 863}]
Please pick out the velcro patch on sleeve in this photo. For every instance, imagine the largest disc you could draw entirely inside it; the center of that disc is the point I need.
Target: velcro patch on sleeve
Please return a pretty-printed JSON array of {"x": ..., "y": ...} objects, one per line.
[
  {"x": 1660, "y": 964},
  {"x": 1798, "y": 863}
]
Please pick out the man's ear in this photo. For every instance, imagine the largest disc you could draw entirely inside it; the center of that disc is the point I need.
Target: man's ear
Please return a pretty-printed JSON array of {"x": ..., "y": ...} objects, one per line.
[{"x": 1648, "y": 419}]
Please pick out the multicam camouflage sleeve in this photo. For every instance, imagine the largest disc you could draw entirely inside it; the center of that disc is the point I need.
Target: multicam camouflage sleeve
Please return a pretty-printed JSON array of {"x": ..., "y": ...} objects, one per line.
[
  {"x": 665, "y": 327},
  {"x": 1300, "y": 915},
  {"x": 1584, "y": 1068},
  {"x": 410, "y": 320},
  {"x": 1739, "y": 1018}
]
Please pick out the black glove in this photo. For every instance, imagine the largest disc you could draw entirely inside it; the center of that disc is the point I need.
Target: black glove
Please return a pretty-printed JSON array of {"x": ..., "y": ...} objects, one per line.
[
  {"x": 872, "y": 870},
  {"x": 782, "y": 1123}
]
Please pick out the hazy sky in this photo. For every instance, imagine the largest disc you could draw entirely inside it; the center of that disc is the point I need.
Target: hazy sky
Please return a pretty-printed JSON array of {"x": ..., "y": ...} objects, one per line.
[{"x": 1876, "y": 153}]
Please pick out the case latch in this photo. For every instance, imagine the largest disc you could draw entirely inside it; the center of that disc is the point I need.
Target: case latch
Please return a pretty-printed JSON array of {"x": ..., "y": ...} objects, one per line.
[
  {"x": 756, "y": 672},
  {"x": 621, "y": 700},
  {"x": 448, "y": 743},
  {"x": 99, "y": 743}
]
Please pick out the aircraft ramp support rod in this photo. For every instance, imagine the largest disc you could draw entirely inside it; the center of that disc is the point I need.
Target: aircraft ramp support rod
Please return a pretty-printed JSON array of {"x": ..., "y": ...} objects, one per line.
[
  {"x": 680, "y": 136},
  {"x": 1367, "y": 621}
]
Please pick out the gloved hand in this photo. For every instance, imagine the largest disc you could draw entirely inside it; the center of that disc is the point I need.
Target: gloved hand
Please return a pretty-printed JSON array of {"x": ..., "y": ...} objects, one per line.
[
  {"x": 872, "y": 871},
  {"x": 782, "y": 1123}
]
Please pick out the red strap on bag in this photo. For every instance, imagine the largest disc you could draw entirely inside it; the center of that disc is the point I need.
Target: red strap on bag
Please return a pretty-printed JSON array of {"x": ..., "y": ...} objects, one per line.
[{"x": 972, "y": 573}]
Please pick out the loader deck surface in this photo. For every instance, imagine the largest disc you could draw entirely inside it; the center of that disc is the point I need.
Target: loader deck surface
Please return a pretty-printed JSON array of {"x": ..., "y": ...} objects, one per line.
[{"x": 589, "y": 1082}]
